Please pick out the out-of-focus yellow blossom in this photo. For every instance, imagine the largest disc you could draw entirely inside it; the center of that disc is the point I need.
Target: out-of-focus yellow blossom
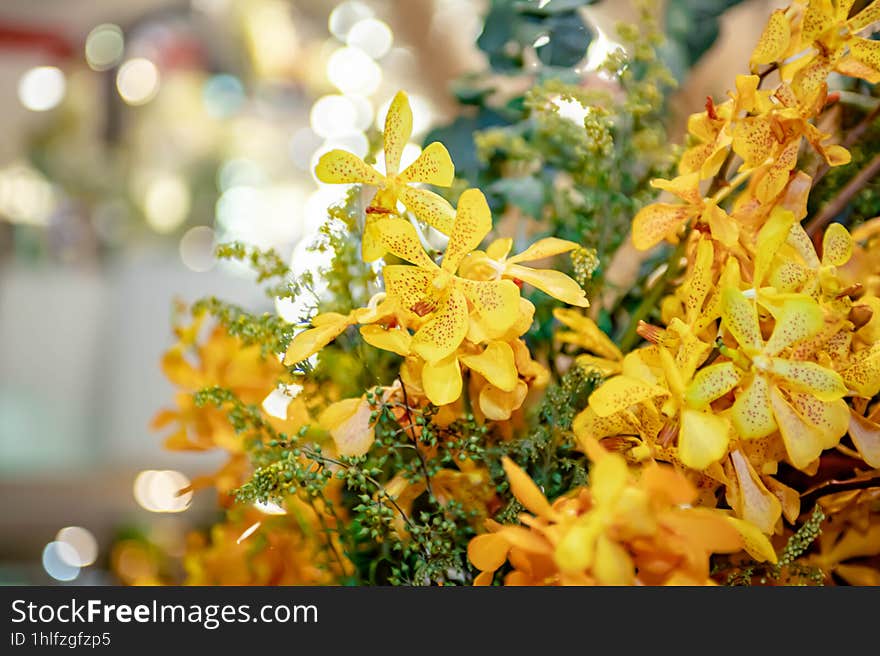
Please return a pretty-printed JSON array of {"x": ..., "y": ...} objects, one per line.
[
  {"x": 433, "y": 166},
  {"x": 620, "y": 530}
]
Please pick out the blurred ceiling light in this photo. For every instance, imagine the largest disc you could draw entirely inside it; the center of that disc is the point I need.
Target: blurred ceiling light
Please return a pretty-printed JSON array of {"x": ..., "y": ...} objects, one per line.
[
  {"x": 344, "y": 17},
  {"x": 166, "y": 202},
  {"x": 333, "y": 116},
  {"x": 158, "y": 491},
  {"x": 83, "y": 543},
  {"x": 211, "y": 6},
  {"x": 372, "y": 36},
  {"x": 541, "y": 41},
  {"x": 351, "y": 70},
  {"x": 137, "y": 81},
  {"x": 223, "y": 95},
  {"x": 57, "y": 557},
  {"x": 105, "y": 45},
  {"x": 197, "y": 248},
  {"x": 42, "y": 88}
]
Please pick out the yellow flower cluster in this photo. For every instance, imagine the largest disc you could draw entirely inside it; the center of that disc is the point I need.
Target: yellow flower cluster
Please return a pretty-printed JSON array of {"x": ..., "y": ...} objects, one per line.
[
  {"x": 461, "y": 314},
  {"x": 769, "y": 351}
]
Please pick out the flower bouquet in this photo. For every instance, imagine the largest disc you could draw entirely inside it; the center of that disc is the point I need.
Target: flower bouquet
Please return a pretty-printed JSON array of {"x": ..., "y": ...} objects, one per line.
[{"x": 586, "y": 357}]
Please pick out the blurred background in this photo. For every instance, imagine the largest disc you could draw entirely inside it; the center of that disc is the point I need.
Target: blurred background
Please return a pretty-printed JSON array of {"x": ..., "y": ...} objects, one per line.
[{"x": 136, "y": 136}]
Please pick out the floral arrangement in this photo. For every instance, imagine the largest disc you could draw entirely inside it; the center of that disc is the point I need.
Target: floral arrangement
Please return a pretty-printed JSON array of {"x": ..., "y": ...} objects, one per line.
[{"x": 686, "y": 395}]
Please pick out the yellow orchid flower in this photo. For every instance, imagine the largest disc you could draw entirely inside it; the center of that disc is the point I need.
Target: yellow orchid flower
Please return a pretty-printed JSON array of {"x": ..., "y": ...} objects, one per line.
[
  {"x": 703, "y": 436},
  {"x": 435, "y": 294},
  {"x": 801, "y": 399},
  {"x": 327, "y": 326},
  {"x": 658, "y": 221},
  {"x": 496, "y": 262},
  {"x": 618, "y": 531},
  {"x": 811, "y": 39},
  {"x": 769, "y": 142},
  {"x": 433, "y": 166}
]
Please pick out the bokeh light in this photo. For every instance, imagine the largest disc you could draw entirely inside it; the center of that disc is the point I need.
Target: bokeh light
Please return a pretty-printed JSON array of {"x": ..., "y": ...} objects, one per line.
[
  {"x": 137, "y": 81},
  {"x": 303, "y": 145},
  {"x": 42, "y": 88},
  {"x": 25, "y": 195},
  {"x": 269, "y": 508},
  {"x": 197, "y": 248},
  {"x": 166, "y": 202},
  {"x": 334, "y": 115},
  {"x": 240, "y": 172},
  {"x": 351, "y": 70},
  {"x": 105, "y": 45},
  {"x": 223, "y": 95},
  {"x": 158, "y": 491},
  {"x": 57, "y": 557},
  {"x": 372, "y": 36},
  {"x": 345, "y": 16},
  {"x": 83, "y": 544}
]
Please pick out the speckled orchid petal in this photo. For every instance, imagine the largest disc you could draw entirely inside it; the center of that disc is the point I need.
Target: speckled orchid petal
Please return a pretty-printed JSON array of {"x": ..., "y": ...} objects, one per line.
[
  {"x": 711, "y": 383},
  {"x": 837, "y": 244},
  {"x": 429, "y": 207},
  {"x": 658, "y": 221},
  {"x": 621, "y": 392},
  {"x": 401, "y": 239},
  {"x": 496, "y": 301},
  {"x": 777, "y": 174},
  {"x": 343, "y": 167},
  {"x": 752, "y": 415},
  {"x": 407, "y": 286},
  {"x": 753, "y": 140},
  {"x": 774, "y": 40},
  {"x": 867, "y": 16},
  {"x": 809, "y": 377},
  {"x": 797, "y": 319},
  {"x": 446, "y": 329},
  {"x": 740, "y": 318},
  {"x": 473, "y": 221},
  {"x": 398, "y": 128},
  {"x": 433, "y": 166},
  {"x": 772, "y": 235},
  {"x": 803, "y": 441}
]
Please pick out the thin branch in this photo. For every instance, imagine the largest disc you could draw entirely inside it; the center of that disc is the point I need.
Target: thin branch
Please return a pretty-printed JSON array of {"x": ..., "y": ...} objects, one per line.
[
  {"x": 837, "y": 204},
  {"x": 851, "y": 138}
]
